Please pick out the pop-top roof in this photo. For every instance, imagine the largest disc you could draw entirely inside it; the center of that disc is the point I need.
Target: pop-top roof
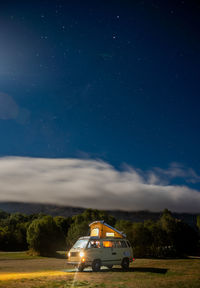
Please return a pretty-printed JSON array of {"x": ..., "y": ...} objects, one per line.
[{"x": 103, "y": 230}]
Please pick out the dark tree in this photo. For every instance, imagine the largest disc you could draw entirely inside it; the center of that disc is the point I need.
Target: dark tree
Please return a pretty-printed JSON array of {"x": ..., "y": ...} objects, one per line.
[{"x": 44, "y": 236}]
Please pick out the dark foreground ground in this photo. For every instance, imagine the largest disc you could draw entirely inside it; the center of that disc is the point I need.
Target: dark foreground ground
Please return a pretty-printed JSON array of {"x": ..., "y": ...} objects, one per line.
[{"x": 20, "y": 270}]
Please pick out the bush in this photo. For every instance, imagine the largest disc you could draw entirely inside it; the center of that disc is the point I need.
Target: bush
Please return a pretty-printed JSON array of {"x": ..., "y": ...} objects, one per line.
[
  {"x": 44, "y": 236},
  {"x": 13, "y": 232}
]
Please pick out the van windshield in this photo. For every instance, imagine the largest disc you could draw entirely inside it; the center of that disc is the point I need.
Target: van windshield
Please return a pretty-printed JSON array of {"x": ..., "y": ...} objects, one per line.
[{"x": 82, "y": 243}]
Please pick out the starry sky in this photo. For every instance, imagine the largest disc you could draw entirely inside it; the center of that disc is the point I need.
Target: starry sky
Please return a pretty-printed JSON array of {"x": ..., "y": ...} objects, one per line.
[{"x": 111, "y": 81}]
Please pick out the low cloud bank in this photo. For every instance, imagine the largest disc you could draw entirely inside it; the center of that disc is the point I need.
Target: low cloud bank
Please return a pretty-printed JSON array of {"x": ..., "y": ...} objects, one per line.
[{"x": 96, "y": 184}]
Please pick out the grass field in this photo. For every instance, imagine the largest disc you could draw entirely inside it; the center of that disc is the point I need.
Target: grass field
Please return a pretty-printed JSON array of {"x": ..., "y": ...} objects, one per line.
[{"x": 20, "y": 270}]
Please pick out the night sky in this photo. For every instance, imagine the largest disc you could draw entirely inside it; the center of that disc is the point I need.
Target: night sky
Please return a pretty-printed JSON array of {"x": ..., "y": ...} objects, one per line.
[{"x": 116, "y": 82}]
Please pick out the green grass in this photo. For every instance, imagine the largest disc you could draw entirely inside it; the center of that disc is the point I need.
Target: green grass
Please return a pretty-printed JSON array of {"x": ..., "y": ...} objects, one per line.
[
  {"x": 144, "y": 273},
  {"x": 17, "y": 255}
]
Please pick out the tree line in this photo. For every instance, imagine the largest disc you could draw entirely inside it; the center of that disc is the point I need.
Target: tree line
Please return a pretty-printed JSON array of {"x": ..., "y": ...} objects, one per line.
[{"x": 44, "y": 234}]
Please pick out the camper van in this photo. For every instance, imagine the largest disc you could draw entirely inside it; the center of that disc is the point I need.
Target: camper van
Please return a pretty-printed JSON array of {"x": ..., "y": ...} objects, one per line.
[{"x": 105, "y": 246}]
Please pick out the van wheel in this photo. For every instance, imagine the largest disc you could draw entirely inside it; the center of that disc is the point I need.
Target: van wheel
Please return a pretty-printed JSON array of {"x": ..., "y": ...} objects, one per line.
[
  {"x": 96, "y": 265},
  {"x": 81, "y": 267},
  {"x": 125, "y": 264},
  {"x": 110, "y": 266}
]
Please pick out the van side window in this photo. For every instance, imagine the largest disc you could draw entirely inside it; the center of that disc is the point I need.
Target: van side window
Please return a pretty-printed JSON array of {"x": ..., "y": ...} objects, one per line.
[
  {"x": 108, "y": 244},
  {"x": 129, "y": 245},
  {"x": 118, "y": 244},
  {"x": 94, "y": 244},
  {"x": 123, "y": 244}
]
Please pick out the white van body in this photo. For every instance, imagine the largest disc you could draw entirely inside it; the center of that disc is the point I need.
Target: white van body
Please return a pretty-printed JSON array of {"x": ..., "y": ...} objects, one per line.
[{"x": 97, "y": 252}]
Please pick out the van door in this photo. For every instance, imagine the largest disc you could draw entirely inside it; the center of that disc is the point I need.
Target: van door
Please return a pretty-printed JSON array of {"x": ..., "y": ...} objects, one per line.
[
  {"x": 119, "y": 250},
  {"x": 125, "y": 250},
  {"x": 94, "y": 250},
  {"x": 110, "y": 255}
]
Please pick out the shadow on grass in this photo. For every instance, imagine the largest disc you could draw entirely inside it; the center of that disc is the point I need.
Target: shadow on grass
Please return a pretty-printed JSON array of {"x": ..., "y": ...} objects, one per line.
[
  {"x": 151, "y": 270},
  {"x": 136, "y": 269}
]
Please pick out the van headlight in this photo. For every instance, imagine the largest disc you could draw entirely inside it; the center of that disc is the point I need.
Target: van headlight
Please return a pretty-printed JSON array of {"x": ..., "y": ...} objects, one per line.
[
  {"x": 82, "y": 254},
  {"x": 69, "y": 254}
]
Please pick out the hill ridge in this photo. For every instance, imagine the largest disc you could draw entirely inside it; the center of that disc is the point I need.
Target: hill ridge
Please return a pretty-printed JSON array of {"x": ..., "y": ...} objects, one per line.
[{"x": 69, "y": 211}]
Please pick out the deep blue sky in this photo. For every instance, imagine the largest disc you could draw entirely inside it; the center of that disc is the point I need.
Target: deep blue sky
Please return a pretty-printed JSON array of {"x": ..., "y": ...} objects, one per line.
[{"x": 115, "y": 80}]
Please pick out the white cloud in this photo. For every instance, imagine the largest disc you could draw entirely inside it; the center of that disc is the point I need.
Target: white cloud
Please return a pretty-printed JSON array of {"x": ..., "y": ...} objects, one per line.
[
  {"x": 91, "y": 183},
  {"x": 177, "y": 170}
]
